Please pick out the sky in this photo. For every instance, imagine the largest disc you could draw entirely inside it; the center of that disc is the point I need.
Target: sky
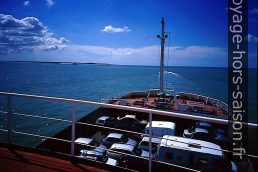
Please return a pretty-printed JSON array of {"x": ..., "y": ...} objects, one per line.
[{"x": 120, "y": 31}]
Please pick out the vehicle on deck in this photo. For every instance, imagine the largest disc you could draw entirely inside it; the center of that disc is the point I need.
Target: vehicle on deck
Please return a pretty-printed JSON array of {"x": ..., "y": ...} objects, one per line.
[
  {"x": 118, "y": 138},
  {"x": 85, "y": 143},
  {"x": 106, "y": 121},
  {"x": 97, "y": 154},
  {"x": 195, "y": 154},
  {"x": 126, "y": 155},
  {"x": 144, "y": 144},
  {"x": 161, "y": 128},
  {"x": 130, "y": 122},
  {"x": 204, "y": 134}
]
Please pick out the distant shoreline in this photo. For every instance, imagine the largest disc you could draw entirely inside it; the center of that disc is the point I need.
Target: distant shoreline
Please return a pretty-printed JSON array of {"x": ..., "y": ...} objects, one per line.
[
  {"x": 94, "y": 63},
  {"x": 56, "y": 62}
]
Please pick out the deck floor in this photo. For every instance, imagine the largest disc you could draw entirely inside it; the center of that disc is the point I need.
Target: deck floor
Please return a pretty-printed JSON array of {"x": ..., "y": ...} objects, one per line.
[{"x": 14, "y": 160}]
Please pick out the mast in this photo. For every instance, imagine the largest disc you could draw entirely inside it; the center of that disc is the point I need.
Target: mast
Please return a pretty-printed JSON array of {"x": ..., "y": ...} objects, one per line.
[{"x": 162, "y": 38}]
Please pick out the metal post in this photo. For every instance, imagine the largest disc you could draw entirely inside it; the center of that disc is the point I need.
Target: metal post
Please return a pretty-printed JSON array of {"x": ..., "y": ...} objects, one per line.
[
  {"x": 162, "y": 56},
  {"x": 9, "y": 118},
  {"x": 150, "y": 142},
  {"x": 73, "y": 128}
]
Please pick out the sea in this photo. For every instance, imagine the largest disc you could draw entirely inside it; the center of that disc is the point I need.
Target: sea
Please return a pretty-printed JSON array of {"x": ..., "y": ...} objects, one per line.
[{"x": 95, "y": 82}]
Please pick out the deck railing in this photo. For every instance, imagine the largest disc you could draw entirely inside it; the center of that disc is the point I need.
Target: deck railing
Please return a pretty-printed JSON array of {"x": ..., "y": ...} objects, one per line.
[{"x": 73, "y": 122}]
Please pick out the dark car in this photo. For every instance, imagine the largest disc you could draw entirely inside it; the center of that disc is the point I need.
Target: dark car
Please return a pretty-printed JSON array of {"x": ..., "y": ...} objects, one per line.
[
  {"x": 208, "y": 126},
  {"x": 85, "y": 143},
  {"x": 126, "y": 155},
  {"x": 98, "y": 154},
  {"x": 204, "y": 134},
  {"x": 205, "y": 125},
  {"x": 130, "y": 122},
  {"x": 106, "y": 121},
  {"x": 198, "y": 133},
  {"x": 118, "y": 138}
]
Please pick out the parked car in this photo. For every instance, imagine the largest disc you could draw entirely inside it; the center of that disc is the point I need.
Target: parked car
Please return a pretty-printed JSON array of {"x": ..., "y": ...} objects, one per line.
[
  {"x": 84, "y": 143},
  {"x": 205, "y": 131},
  {"x": 98, "y": 153},
  {"x": 130, "y": 122},
  {"x": 106, "y": 121},
  {"x": 161, "y": 128},
  {"x": 204, "y": 134},
  {"x": 205, "y": 125},
  {"x": 209, "y": 127},
  {"x": 198, "y": 133},
  {"x": 126, "y": 155},
  {"x": 144, "y": 144},
  {"x": 118, "y": 138}
]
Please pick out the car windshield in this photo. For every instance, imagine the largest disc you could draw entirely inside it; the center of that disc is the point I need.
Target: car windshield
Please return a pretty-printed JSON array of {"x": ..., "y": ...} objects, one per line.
[
  {"x": 191, "y": 130},
  {"x": 124, "y": 139},
  {"x": 137, "y": 151},
  {"x": 121, "y": 150}
]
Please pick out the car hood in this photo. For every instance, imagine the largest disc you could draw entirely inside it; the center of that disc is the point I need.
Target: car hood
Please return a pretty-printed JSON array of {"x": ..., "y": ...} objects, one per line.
[
  {"x": 111, "y": 161},
  {"x": 131, "y": 142},
  {"x": 145, "y": 154},
  {"x": 94, "y": 153}
]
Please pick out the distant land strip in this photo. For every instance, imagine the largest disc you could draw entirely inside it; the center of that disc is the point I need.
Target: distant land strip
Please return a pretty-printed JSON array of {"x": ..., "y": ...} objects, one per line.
[{"x": 56, "y": 62}]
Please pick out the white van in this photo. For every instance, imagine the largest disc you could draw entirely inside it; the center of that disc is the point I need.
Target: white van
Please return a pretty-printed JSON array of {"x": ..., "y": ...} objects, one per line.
[
  {"x": 191, "y": 153},
  {"x": 161, "y": 128}
]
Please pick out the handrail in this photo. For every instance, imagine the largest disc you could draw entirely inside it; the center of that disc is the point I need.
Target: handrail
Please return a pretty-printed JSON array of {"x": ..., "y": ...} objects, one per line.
[
  {"x": 129, "y": 108},
  {"x": 73, "y": 102},
  {"x": 114, "y": 129}
]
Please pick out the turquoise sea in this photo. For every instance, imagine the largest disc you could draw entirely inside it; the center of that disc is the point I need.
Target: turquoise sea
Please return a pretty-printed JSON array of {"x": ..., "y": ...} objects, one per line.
[{"x": 94, "y": 82}]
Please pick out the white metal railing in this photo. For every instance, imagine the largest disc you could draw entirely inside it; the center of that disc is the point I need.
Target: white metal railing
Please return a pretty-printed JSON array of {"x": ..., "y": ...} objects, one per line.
[{"x": 73, "y": 102}]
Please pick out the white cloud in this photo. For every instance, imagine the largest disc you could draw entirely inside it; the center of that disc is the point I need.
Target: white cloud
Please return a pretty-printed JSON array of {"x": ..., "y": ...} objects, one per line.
[
  {"x": 254, "y": 11},
  {"x": 252, "y": 38},
  {"x": 50, "y": 3},
  {"x": 148, "y": 55},
  {"x": 27, "y": 34},
  {"x": 26, "y": 3},
  {"x": 111, "y": 29}
]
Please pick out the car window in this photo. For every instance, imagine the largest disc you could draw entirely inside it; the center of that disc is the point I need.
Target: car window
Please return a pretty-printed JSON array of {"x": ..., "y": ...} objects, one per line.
[
  {"x": 127, "y": 152},
  {"x": 116, "y": 140},
  {"x": 129, "y": 120},
  {"x": 124, "y": 139},
  {"x": 169, "y": 156},
  {"x": 100, "y": 121},
  {"x": 179, "y": 158},
  {"x": 143, "y": 143},
  {"x": 155, "y": 145},
  {"x": 137, "y": 151},
  {"x": 191, "y": 130},
  {"x": 201, "y": 135},
  {"x": 93, "y": 143},
  {"x": 109, "y": 139}
]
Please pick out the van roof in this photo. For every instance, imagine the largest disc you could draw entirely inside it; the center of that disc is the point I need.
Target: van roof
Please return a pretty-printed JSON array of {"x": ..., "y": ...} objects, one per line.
[
  {"x": 83, "y": 140},
  {"x": 191, "y": 145},
  {"x": 153, "y": 139},
  {"x": 115, "y": 135},
  {"x": 162, "y": 124},
  {"x": 103, "y": 118},
  {"x": 122, "y": 147}
]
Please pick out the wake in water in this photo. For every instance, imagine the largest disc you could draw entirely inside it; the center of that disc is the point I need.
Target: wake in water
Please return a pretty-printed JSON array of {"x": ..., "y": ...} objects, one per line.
[{"x": 169, "y": 72}]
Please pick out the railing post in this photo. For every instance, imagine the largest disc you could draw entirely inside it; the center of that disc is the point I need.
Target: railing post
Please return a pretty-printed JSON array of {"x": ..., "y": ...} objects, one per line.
[
  {"x": 73, "y": 128},
  {"x": 9, "y": 118},
  {"x": 150, "y": 142}
]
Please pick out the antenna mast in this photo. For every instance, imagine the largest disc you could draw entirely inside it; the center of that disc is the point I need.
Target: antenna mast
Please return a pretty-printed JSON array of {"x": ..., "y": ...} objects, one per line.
[{"x": 162, "y": 38}]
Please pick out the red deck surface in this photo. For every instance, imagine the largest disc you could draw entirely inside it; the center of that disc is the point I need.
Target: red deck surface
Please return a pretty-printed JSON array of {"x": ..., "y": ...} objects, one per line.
[{"x": 13, "y": 160}]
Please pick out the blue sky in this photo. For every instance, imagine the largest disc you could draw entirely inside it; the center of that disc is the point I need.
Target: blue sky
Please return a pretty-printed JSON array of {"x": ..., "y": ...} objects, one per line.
[{"x": 119, "y": 32}]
